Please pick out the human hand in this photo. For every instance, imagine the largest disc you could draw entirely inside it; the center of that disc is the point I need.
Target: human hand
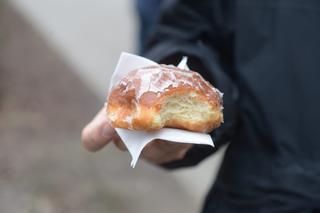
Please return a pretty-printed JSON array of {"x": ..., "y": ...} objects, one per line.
[{"x": 99, "y": 133}]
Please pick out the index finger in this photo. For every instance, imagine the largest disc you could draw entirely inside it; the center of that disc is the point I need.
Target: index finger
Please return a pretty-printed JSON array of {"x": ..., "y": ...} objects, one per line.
[{"x": 98, "y": 132}]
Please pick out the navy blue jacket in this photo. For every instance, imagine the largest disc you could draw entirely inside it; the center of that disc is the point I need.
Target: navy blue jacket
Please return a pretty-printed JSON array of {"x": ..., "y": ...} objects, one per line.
[{"x": 264, "y": 55}]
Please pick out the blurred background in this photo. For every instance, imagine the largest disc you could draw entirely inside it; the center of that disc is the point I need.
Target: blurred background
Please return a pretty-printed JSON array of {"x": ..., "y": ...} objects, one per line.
[{"x": 56, "y": 58}]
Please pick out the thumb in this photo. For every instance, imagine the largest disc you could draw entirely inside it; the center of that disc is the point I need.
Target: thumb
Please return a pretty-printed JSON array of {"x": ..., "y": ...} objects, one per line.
[{"x": 97, "y": 133}]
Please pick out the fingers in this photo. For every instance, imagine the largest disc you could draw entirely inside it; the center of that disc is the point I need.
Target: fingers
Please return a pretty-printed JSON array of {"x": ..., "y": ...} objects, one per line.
[
  {"x": 97, "y": 133},
  {"x": 159, "y": 152},
  {"x": 118, "y": 143},
  {"x": 175, "y": 154}
]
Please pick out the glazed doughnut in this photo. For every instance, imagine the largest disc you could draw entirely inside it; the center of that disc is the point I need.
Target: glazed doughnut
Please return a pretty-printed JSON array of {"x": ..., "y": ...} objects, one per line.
[{"x": 154, "y": 97}]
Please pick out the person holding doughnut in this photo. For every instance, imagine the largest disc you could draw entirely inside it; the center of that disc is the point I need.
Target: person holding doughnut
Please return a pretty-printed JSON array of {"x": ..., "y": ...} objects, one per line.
[{"x": 265, "y": 57}]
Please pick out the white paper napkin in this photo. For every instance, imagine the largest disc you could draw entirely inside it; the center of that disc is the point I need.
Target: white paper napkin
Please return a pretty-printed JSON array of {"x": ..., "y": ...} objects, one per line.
[{"x": 135, "y": 141}]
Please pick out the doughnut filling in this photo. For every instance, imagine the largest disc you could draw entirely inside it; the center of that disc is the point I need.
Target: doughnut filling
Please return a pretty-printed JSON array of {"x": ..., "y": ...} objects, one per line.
[{"x": 154, "y": 97}]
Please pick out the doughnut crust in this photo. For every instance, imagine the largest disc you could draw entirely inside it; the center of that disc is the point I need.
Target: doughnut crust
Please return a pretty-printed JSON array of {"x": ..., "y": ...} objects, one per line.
[{"x": 154, "y": 97}]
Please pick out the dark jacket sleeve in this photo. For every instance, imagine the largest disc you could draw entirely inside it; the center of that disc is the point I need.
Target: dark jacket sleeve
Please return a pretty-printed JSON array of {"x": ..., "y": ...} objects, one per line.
[{"x": 200, "y": 30}]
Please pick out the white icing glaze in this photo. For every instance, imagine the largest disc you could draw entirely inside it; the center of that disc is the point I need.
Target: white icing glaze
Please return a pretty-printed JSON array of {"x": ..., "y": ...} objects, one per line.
[
  {"x": 159, "y": 79},
  {"x": 155, "y": 80}
]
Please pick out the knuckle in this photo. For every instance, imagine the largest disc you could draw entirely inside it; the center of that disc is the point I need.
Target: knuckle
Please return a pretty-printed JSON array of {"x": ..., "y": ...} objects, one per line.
[
  {"x": 96, "y": 134},
  {"x": 89, "y": 139},
  {"x": 86, "y": 139},
  {"x": 83, "y": 135}
]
